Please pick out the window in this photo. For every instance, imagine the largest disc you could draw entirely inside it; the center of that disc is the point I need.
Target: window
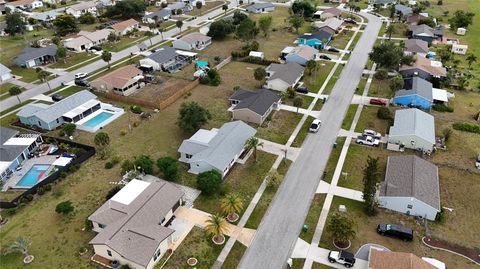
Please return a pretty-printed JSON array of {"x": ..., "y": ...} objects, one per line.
[
  {"x": 58, "y": 121},
  {"x": 188, "y": 156},
  {"x": 109, "y": 253},
  {"x": 39, "y": 123},
  {"x": 409, "y": 206},
  {"x": 102, "y": 226}
]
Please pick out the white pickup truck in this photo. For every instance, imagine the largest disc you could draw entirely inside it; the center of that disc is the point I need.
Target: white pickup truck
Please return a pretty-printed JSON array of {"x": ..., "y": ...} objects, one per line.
[{"x": 367, "y": 140}]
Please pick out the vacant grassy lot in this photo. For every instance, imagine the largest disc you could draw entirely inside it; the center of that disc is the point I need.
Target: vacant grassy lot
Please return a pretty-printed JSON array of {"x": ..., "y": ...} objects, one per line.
[
  {"x": 347, "y": 121},
  {"x": 206, "y": 8},
  {"x": 340, "y": 41},
  {"x": 369, "y": 120},
  {"x": 399, "y": 29},
  {"x": 333, "y": 159},
  {"x": 380, "y": 88},
  {"x": 312, "y": 217},
  {"x": 315, "y": 81},
  {"x": 279, "y": 128},
  {"x": 73, "y": 59}
]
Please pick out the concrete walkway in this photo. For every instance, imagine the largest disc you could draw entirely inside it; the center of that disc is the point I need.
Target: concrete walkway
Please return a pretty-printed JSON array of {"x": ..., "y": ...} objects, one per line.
[
  {"x": 279, "y": 149},
  {"x": 313, "y": 113}
]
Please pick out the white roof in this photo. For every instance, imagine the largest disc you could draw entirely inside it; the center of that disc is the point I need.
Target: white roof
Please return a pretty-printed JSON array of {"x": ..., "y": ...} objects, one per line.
[
  {"x": 440, "y": 95},
  {"x": 204, "y": 136},
  {"x": 20, "y": 141},
  {"x": 438, "y": 264},
  {"x": 318, "y": 12},
  {"x": 62, "y": 161},
  {"x": 128, "y": 193},
  {"x": 288, "y": 49},
  {"x": 186, "y": 53},
  {"x": 256, "y": 53},
  {"x": 80, "y": 109}
]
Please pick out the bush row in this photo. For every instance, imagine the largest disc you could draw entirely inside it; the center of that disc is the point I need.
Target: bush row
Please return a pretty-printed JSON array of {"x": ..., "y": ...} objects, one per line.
[
  {"x": 467, "y": 127},
  {"x": 442, "y": 108}
]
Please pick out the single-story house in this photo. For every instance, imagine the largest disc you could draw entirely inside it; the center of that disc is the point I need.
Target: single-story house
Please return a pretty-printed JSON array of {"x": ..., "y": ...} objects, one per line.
[
  {"x": 133, "y": 227},
  {"x": 417, "y": 92},
  {"x": 216, "y": 149},
  {"x": 416, "y": 46},
  {"x": 157, "y": 16},
  {"x": 384, "y": 259},
  {"x": 81, "y": 8},
  {"x": 31, "y": 57},
  {"x": 414, "y": 129},
  {"x": 168, "y": 59},
  {"x": 14, "y": 149},
  {"x": 5, "y": 73},
  {"x": 24, "y": 4},
  {"x": 330, "y": 25},
  {"x": 260, "y": 8},
  {"x": 253, "y": 106},
  {"x": 175, "y": 6},
  {"x": 192, "y": 41},
  {"x": 317, "y": 40},
  {"x": 47, "y": 16},
  {"x": 425, "y": 32},
  {"x": 424, "y": 68},
  {"x": 330, "y": 12},
  {"x": 411, "y": 187},
  {"x": 459, "y": 49},
  {"x": 403, "y": 11},
  {"x": 301, "y": 55},
  {"x": 123, "y": 81},
  {"x": 381, "y": 3},
  {"x": 414, "y": 19},
  {"x": 124, "y": 27},
  {"x": 282, "y": 76},
  {"x": 85, "y": 40}
]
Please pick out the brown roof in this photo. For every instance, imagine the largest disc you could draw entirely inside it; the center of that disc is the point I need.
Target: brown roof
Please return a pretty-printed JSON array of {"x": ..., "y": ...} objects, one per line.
[
  {"x": 120, "y": 77},
  {"x": 415, "y": 18},
  {"x": 335, "y": 11},
  {"x": 396, "y": 260},
  {"x": 194, "y": 37},
  {"x": 124, "y": 24},
  {"x": 20, "y": 2},
  {"x": 426, "y": 65}
]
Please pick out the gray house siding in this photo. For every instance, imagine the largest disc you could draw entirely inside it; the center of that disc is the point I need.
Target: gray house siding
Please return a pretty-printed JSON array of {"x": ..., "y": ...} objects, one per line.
[
  {"x": 408, "y": 205},
  {"x": 34, "y": 121}
]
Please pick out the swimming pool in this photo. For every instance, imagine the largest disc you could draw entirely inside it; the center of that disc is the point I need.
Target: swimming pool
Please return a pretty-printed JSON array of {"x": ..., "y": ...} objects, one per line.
[
  {"x": 33, "y": 175},
  {"x": 97, "y": 120}
]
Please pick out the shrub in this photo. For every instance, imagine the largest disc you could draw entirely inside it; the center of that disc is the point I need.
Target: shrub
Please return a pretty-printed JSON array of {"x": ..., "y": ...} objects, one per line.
[
  {"x": 441, "y": 216},
  {"x": 442, "y": 108},
  {"x": 239, "y": 54},
  {"x": 69, "y": 128},
  {"x": 169, "y": 167},
  {"x": 64, "y": 208},
  {"x": 47, "y": 187},
  {"x": 381, "y": 73},
  {"x": 145, "y": 164},
  {"x": 78, "y": 151},
  {"x": 136, "y": 109},
  {"x": 205, "y": 80},
  {"x": 63, "y": 174},
  {"x": 127, "y": 165},
  {"x": 88, "y": 225},
  {"x": 108, "y": 165},
  {"x": 447, "y": 132},
  {"x": 467, "y": 127},
  {"x": 209, "y": 182},
  {"x": 73, "y": 168},
  {"x": 41, "y": 190},
  {"x": 9, "y": 211},
  {"x": 384, "y": 113},
  {"x": 29, "y": 197},
  {"x": 112, "y": 192},
  {"x": 259, "y": 61}
]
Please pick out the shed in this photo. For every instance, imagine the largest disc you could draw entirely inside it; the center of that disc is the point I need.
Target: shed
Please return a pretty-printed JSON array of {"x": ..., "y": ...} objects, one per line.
[
  {"x": 461, "y": 31},
  {"x": 257, "y": 54}
]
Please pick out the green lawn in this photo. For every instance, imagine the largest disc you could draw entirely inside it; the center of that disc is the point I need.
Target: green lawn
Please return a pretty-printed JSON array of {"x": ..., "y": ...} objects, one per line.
[
  {"x": 380, "y": 88},
  {"x": 347, "y": 121},
  {"x": 11, "y": 46},
  {"x": 5, "y": 87},
  {"x": 73, "y": 59},
  {"x": 369, "y": 120},
  {"x": 26, "y": 74},
  {"x": 298, "y": 263},
  {"x": 280, "y": 127},
  {"x": 340, "y": 41},
  {"x": 303, "y": 131},
  {"x": 315, "y": 81},
  {"x": 124, "y": 43},
  {"x": 205, "y": 9},
  {"x": 333, "y": 159},
  {"x": 234, "y": 256},
  {"x": 312, "y": 217},
  {"x": 333, "y": 79},
  {"x": 307, "y": 100}
]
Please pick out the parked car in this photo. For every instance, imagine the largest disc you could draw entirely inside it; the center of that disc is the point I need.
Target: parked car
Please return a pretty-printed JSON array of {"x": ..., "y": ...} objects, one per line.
[
  {"x": 302, "y": 89},
  {"x": 95, "y": 48},
  {"x": 342, "y": 257},
  {"x": 81, "y": 75},
  {"x": 367, "y": 140},
  {"x": 350, "y": 20},
  {"x": 477, "y": 162},
  {"x": 57, "y": 97},
  {"x": 372, "y": 133},
  {"x": 333, "y": 49},
  {"x": 315, "y": 126},
  {"x": 378, "y": 102},
  {"x": 397, "y": 231},
  {"x": 82, "y": 83},
  {"x": 324, "y": 57}
]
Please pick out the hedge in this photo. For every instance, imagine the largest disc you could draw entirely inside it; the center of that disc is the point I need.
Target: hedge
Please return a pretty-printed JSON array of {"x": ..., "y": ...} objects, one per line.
[
  {"x": 442, "y": 108},
  {"x": 256, "y": 60},
  {"x": 467, "y": 127}
]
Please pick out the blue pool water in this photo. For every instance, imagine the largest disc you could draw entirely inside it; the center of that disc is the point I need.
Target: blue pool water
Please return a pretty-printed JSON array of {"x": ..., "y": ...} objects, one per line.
[
  {"x": 95, "y": 121},
  {"x": 33, "y": 175}
]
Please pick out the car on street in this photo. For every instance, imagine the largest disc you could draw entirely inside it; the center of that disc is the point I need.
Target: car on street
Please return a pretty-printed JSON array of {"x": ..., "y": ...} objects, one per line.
[
  {"x": 81, "y": 75},
  {"x": 302, "y": 89},
  {"x": 57, "y": 97},
  {"x": 367, "y": 140},
  {"x": 397, "y": 231},
  {"x": 315, "y": 126},
  {"x": 378, "y": 102},
  {"x": 342, "y": 257},
  {"x": 372, "y": 133},
  {"x": 333, "y": 49},
  {"x": 82, "y": 83}
]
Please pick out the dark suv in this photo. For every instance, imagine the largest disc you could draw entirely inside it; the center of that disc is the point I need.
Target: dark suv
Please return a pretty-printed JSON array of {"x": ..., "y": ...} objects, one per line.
[{"x": 400, "y": 232}]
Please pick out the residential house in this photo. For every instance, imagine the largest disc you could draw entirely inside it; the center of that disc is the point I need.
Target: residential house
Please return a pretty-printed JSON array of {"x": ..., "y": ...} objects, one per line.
[
  {"x": 81, "y": 8},
  {"x": 330, "y": 12},
  {"x": 47, "y": 16},
  {"x": 425, "y": 32},
  {"x": 157, "y": 16},
  {"x": 168, "y": 59},
  {"x": 285, "y": 52},
  {"x": 414, "y": 19},
  {"x": 417, "y": 92},
  {"x": 253, "y": 106},
  {"x": 411, "y": 187},
  {"x": 24, "y": 4},
  {"x": 134, "y": 226},
  {"x": 317, "y": 40},
  {"x": 107, "y": 3},
  {"x": 14, "y": 149},
  {"x": 330, "y": 25},
  {"x": 183, "y": 7},
  {"x": 5, "y": 73},
  {"x": 459, "y": 49},
  {"x": 384, "y": 259},
  {"x": 3, "y": 8},
  {"x": 85, "y": 40},
  {"x": 260, "y": 8},
  {"x": 424, "y": 68},
  {"x": 413, "y": 129},
  {"x": 31, "y": 57},
  {"x": 301, "y": 55},
  {"x": 124, "y": 27},
  {"x": 282, "y": 76},
  {"x": 192, "y": 41},
  {"x": 123, "y": 81},
  {"x": 416, "y": 46},
  {"x": 403, "y": 11},
  {"x": 381, "y": 3},
  {"x": 216, "y": 149}
]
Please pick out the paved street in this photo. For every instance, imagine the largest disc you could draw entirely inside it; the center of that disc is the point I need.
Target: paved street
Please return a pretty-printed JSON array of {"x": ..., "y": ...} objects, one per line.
[{"x": 278, "y": 232}]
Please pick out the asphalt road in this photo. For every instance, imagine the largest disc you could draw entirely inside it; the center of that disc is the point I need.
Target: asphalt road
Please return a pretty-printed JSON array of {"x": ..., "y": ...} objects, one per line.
[
  {"x": 91, "y": 68},
  {"x": 276, "y": 236}
]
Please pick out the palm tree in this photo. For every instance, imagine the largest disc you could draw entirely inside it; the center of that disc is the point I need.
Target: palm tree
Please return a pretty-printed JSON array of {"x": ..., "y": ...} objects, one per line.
[
  {"x": 471, "y": 58},
  {"x": 21, "y": 245},
  {"x": 15, "y": 91},
  {"x": 107, "y": 57},
  {"x": 389, "y": 31},
  {"x": 42, "y": 76},
  {"x": 216, "y": 226},
  {"x": 231, "y": 205},
  {"x": 179, "y": 25},
  {"x": 161, "y": 30},
  {"x": 253, "y": 142}
]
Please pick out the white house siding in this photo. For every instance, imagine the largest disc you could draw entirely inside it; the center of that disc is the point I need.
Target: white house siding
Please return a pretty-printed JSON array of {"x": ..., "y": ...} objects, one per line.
[
  {"x": 400, "y": 204},
  {"x": 147, "y": 61},
  {"x": 180, "y": 44},
  {"x": 200, "y": 167},
  {"x": 406, "y": 140},
  {"x": 5, "y": 77},
  {"x": 163, "y": 248},
  {"x": 277, "y": 85}
]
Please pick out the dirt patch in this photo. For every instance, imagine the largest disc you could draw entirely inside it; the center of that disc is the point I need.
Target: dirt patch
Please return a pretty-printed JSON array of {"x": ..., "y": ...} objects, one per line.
[
  {"x": 468, "y": 252},
  {"x": 161, "y": 91}
]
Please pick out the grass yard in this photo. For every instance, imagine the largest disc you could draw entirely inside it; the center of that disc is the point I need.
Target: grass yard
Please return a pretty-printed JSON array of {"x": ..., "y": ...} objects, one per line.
[
  {"x": 206, "y": 8},
  {"x": 302, "y": 134},
  {"x": 312, "y": 217},
  {"x": 347, "y": 121},
  {"x": 5, "y": 87},
  {"x": 124, "y": 43},
  {"x": 399, "y": 29},
  {"x": 333, "y": 79},
  {"x": 73, "y": 59},
  {"x": 340, "y": 41},
  {"x": 307, "y": 100},
  {"x": 27, "y": 74},
  {"x": 369, "y": 120},
  {"x": 315, "y": 81},
  {"x": 380, "y": 88},
  {"x": 234, "y": 256},
  {"x": 298, "y": 263},
  {"x": 279, "y": 128},
  {"x": 11, "y": 46},
  {"x": 333, "y": 159}
]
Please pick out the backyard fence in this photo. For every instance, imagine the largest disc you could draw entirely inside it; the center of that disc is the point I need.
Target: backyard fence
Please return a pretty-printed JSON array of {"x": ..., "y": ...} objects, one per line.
[
  {"x": 174, "y": 97},
  {"x": 223, "y": 63},
  {"x": 130, "y": 100}
]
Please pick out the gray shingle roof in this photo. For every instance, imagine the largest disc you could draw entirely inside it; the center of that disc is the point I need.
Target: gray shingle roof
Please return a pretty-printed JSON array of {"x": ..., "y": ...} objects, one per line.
[
  {"x": 288, "y": 72},
  {"x": 320, "y": 35},
  {"x": 413, "y": 121},
  {"x": 412, "y": 176},
  {"x": 30, "y": 53},
  {"x": 256, "y": 101},
  {"x": 56, "y": 110},
  {"x": 9, "y": 153},
  {"x": 6, "y": 133},
  {"x": 133, "y": 230},
  {"x": 163, "y": 55},
  {"x": 417, "y": 86},
  {"x": 422, "y": 29},
  {"x": 403, "y": 9},
  {"x": 381, "y": 1},
  {"x": 416, "y": 45},
  {"x": 257, "y": 6},
  {"x": 160, "y": 14},
  {"x": 31, "y": 109}
]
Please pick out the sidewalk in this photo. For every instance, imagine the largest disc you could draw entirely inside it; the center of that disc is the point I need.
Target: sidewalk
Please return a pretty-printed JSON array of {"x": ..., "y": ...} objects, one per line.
[{"x": 279, "y": 149}]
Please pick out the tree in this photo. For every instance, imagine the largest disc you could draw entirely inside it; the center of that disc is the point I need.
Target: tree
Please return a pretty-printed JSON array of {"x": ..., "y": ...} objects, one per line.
[
  {"x": 65, "y": 24},
  {"x": 216, "y": 226},
  {"x": 15, "y": 23},
  {"x": 303, "y": 8},
  {"x": 161, "y": 30},
  {"x": 297, "y": 102},
  {"x": 231, "y": 204},
  {"x": 387, "y": 55},
  {"x": 169, "y": 167},
  {"x": 273, "y": 178},
  {"x": 64, "y": 208},
  {"x": 462, "y": 83},
  {"x": 179, "y": 24},
  {"x": 259, "y": 73},
  {"x": 220, "y": 29},
  {"x": 461, "y": 19},
  {"x": 199, "y": 5},
  {"x": 311, "y": 68},
  {"x": 69, "y": 128},
  {"x": 61, "y": 53},
  {"x": 126, "y": 9},
  {"x": 253, "y": 143},
  {"x": 392, "y": 11},
  {"x": 370, "y": 184},
  {"x": 445, "y": 54},
  {"x": 342, "y": 227},
  {"x": 42, "y": 76},
  {"x": 238, "y": 17},
  {"x": 107, "y": 57},
  {"x": 296, "y": 21},
  {"x": 225, "y": 7},
  {"x": 396, "y": 83},
  {"x": 471, "y": 58},
  {"x": 112, "y": 37},
  {"x": 427, "y": 21},
  {"x": 389, "y": 31},
  {"x": 247, "y": 30},
  {"x": 265, "y": 23},
  {"x": 144, "y": 163},
  {"x": 102, "y": 139},
  {"x": 192, "y": 116},
  {"x": 86, "y": 18},
  {"x": 209, "y": 182},
  {"x": 21, "y": 245},
  {"x": 15, "y": 91}
]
